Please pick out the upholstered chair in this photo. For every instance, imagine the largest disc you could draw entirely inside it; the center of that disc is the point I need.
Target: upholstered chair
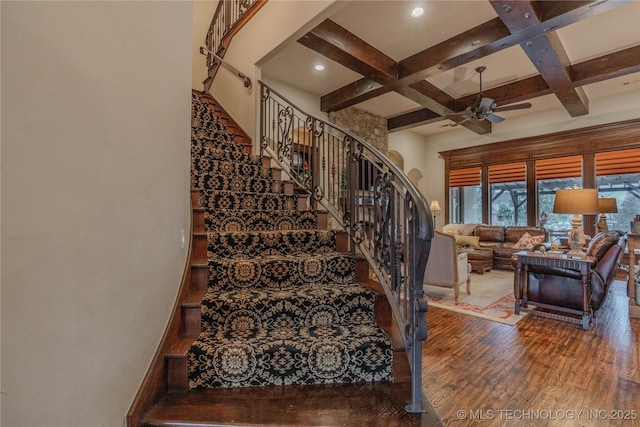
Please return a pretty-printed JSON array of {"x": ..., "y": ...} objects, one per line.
[{"x": 446, "y": 266}]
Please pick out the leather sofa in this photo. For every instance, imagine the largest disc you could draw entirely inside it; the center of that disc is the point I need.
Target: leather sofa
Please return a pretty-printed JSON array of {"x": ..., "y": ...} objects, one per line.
[
  {"x": 562, "y": 287},
  {"x": 502, "y": 241}
]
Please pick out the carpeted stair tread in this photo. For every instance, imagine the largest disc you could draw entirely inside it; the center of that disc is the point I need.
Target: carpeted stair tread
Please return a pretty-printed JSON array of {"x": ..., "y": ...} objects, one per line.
[
  {"x": 227, "y": 168},
  {"x": 259, "y": 220},
  {"x": 221, "y": 199},
  {"x": 216, "y": 151},
  {"x": 281, "y": 356},
  {"x": 280, "y": 271},
  {"x": 310, "y": 304},
  {"x": 236, "y": 183},
  {"x": 229, "y": 244}
]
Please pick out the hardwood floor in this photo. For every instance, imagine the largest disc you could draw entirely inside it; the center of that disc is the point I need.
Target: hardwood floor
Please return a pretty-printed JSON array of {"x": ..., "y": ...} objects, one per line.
[{"x": 541, "y": 372}]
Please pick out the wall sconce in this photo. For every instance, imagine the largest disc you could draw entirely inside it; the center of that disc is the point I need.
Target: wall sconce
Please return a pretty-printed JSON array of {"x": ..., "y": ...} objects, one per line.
[
  {"x": 576, "y": 201},
  {"x": 434, "y": 207},
  {"x": 605, "y": 205}
]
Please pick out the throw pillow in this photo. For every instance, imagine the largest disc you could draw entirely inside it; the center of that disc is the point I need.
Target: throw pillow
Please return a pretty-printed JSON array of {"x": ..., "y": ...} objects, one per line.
[
  {"x": 527, "y": 241},
  {"x": 471, "y": 241},
  {"x": 601, "y": 244}
]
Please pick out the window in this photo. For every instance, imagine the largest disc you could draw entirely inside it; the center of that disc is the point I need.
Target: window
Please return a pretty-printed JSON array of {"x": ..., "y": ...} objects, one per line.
[
  {"x": 618, "y": 176},
  {"x": 508, "y": 191},
  {"x": 465, "y": 196},
  {"x": 553, "y": 174}
]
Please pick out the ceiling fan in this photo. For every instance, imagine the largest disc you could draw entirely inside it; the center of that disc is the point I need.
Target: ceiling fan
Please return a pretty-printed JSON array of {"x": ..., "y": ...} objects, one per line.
[{"x": 484, "y": 108}]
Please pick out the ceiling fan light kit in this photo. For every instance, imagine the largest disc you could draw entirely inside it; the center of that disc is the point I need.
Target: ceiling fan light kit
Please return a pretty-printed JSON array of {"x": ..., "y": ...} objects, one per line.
[{"x": 484, "y": 108}]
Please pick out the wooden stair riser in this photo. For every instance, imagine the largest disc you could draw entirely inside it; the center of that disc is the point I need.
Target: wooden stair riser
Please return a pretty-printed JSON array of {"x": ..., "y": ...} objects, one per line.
[
  {"x": 191, "y": 321},
  {"x": 195, "y": 198},
  {"x": 198, "y": 280},
  {"x": 342, "y": 239},
  {"x": 401, "y": 367},
  {"x": 177, "y": 374},
  {"x": 288, "y": 188},
  {"x": 197, "y": 218},
  {"x": 362, "y": 269},
  {"x": 323, "y": 221},
  {"x": 199, "y": 248}
]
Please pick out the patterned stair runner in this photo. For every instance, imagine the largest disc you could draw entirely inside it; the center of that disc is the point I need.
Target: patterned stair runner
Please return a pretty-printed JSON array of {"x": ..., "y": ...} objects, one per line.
[{"x": 282, "y": 305}]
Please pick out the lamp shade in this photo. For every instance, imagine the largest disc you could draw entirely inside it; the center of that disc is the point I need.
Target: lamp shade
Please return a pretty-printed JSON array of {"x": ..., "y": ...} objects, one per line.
[
  {"x": 435, "y": 206},
  {"x": 607, "y": 205},
  {"x": 576, "y": 201}
]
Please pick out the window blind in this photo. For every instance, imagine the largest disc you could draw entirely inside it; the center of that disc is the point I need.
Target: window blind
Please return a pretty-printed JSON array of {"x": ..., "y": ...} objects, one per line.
[
  {"x": 618, "y": 162},
  {"x": 464, "y": 177},
  {"x": 559, "y": 167},
  {"x": 510, "y": 172}
]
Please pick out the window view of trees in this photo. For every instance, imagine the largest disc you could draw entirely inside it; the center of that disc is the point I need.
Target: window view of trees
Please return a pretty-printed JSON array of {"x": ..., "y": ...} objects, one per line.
[
  {"x": 465, "y": 196},
  {"x": 625, "y": 188}
]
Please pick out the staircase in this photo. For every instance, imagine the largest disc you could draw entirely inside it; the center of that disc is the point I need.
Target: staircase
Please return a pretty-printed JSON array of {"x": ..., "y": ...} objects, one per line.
[
  {"x": 274, "y": 310},
  {"x": 282, "y": 305}
]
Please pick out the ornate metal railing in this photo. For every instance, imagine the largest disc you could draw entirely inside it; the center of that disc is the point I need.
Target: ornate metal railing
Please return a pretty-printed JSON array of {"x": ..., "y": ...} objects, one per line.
[{"x": 384, "y": 214}]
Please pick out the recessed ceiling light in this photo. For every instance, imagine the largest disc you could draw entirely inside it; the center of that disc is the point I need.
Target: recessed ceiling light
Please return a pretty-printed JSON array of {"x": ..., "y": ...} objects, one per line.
[
  {"x": 418, "y": 11},
  {"x": 319, "y": 67}
]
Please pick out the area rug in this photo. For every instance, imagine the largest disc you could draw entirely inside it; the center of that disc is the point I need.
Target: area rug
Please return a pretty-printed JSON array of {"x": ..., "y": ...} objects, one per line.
[{"x": 491, "y": 297}]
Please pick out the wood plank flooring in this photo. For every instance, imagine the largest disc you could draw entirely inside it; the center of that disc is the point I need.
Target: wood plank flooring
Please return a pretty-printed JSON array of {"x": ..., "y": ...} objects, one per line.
[{"x": 541, "y": 372}]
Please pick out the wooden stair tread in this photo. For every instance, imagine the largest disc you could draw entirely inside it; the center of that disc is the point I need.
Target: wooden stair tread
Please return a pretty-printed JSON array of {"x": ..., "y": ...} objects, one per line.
[
  {"x": 180, "y": 348},
  {"x": 193, "y": 300},
  {"x": 340, "y": 404}
]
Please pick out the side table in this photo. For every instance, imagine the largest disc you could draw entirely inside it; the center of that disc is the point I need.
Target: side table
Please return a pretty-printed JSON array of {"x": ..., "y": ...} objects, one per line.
[{"x": 521, "y": 284}]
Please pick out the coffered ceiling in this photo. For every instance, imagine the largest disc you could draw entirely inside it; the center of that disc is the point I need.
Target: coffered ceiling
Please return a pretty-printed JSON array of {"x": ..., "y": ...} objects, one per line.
[{"x": 417, "y": 72}]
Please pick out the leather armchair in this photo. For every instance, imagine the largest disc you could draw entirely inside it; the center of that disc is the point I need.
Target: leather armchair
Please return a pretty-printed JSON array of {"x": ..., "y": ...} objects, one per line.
[
  {"x": 562, "y": 287},
  {"x": 446, "y": 266}
]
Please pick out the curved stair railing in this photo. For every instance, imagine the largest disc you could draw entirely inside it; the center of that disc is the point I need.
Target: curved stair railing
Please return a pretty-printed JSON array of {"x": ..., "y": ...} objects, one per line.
[{"x": 383, "y": 213}]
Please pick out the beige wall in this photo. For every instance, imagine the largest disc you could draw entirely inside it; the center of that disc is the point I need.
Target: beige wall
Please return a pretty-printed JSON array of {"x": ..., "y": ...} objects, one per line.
[{"x": 95, "y": 191}]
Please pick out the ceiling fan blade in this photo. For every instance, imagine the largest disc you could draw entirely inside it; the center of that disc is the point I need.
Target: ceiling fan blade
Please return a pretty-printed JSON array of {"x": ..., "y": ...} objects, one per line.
[
  {"x": 493, "y": 118},
  {"x": 462, "y": 113},
  {"x": 486, "y": 103},
  {"x": 514, "y": 107}
]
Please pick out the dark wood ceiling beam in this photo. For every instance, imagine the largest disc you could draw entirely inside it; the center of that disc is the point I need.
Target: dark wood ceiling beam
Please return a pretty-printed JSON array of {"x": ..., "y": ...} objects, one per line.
[
  {"x": 545, "y": 51},
  {"x": 485, "y": 39},
  {"x": 519, "y": 91},
  {"x": 344, "y": 47},
  {"x": 420, "y": 117},
  {"x": 606, "y": 67},
  {"x": 562, "y": 13},
  {"x": 351, "y": 94}
]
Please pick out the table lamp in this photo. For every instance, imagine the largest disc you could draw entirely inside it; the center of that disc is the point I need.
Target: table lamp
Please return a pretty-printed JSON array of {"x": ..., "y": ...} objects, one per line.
[
  {"x": 576, "y": 201},
  {"x": 435, "y": 207},
  {"x": 605, "y": 205}
]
